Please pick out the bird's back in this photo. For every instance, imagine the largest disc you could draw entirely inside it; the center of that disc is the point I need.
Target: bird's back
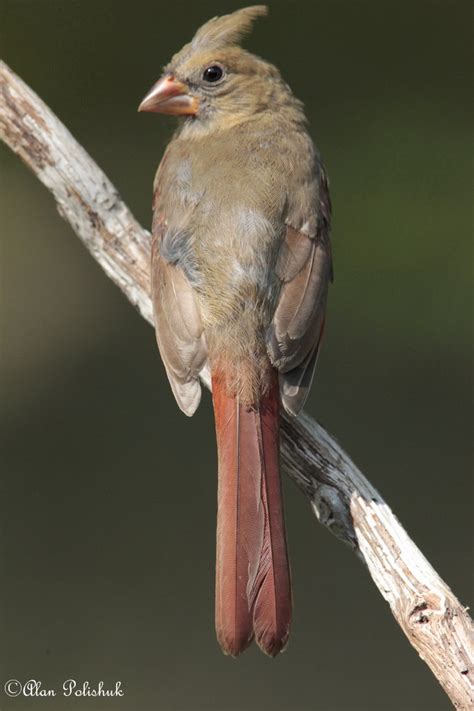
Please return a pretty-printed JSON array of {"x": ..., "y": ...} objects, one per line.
[{"x": 228, "y": 196}]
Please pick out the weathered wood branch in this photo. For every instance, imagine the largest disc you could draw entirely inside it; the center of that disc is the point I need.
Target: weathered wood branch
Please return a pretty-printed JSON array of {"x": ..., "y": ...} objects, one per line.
[{"x": 434, "y": 621}]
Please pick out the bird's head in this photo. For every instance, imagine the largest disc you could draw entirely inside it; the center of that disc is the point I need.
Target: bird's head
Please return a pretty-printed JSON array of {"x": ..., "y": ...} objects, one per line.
[{"x": 212, "y": 79}]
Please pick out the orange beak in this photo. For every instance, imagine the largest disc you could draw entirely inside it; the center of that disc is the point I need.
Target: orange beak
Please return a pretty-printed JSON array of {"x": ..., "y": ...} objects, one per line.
[{"x": 170, "y": 96}]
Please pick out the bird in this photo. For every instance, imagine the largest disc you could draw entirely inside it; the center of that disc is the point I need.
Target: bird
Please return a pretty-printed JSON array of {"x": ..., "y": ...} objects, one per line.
[{"x": 240, "y": 267}]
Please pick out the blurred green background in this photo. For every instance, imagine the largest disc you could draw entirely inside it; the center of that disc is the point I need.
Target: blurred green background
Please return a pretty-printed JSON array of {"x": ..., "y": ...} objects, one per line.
[{"x": 108, "y": 492}]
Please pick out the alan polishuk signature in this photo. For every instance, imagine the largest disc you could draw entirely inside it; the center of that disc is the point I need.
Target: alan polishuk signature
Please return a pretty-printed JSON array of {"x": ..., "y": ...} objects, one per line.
[{"x": 70, "y": 687}]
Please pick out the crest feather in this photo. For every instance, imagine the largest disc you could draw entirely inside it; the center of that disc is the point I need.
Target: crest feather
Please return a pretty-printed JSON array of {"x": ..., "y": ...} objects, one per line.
[{"x": 228, "y": 29}]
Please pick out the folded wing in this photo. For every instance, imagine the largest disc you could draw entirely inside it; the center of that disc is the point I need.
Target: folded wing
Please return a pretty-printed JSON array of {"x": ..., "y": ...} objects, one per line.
[
  {"x": 179, "y": 330},
  {"x": 294, "y": 337}
]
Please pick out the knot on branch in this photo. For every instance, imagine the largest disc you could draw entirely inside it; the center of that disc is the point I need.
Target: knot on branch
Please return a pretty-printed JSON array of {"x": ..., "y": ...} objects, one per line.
[
  {"x": 420, "y": 615},
  {"x": 333, "y": 511}
]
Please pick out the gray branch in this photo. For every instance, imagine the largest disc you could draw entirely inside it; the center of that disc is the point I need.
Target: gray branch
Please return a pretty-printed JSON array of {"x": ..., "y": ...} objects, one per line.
[{"x": 343, "y": 500}]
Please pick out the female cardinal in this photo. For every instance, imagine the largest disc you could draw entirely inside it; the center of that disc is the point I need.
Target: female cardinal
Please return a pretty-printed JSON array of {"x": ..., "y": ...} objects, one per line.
[{"x": 240, "y": 269}]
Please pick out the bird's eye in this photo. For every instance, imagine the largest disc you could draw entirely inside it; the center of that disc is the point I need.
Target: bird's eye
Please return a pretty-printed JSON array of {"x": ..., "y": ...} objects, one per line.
[{"x": 213, "y": 73}]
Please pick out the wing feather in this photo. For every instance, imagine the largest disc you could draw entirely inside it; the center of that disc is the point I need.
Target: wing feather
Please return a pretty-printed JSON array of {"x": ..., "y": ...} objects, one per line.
[
  {"x": 293, "y": 339},
  {"x": 179, "y": 330}
]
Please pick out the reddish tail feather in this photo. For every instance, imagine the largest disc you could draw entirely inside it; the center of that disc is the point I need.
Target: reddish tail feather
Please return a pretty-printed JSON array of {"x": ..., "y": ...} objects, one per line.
[{"x": 253, "y": 590}]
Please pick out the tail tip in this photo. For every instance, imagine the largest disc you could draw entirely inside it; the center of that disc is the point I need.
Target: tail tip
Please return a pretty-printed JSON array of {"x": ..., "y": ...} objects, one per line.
[
  {"x": 272, "y": 644},
  {"x": 233, "y": 645}
]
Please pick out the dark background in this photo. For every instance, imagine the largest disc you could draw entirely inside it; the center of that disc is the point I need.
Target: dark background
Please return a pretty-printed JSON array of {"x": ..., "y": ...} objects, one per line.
[{"x": 108, "y": 491}]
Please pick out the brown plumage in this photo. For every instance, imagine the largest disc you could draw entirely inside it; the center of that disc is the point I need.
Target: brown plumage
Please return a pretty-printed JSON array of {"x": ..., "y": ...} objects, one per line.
[
  {"x": 253, "y": 593},
  {"x": 240, "y": 269}
]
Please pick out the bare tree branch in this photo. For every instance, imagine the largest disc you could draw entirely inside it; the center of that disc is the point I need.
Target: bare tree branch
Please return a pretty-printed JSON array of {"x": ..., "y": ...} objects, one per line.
[{"x": 434, "y": 621}]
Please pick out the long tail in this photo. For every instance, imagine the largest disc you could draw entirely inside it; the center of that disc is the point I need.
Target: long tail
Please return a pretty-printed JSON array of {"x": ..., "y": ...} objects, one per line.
[{"x": 253, "y": 590}]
